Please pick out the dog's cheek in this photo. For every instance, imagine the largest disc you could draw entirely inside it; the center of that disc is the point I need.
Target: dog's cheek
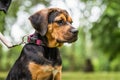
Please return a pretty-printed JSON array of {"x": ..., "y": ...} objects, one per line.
[
  {"x": 53, "y": 30},
  {"x": 50, "y": 28},
  {"x": 58, "y": 35},
  {"x": 50, "y": 32},
  {"x": 54, "y": 34}
]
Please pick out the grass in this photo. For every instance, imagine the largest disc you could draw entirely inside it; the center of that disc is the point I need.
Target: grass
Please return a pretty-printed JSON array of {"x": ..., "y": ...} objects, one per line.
[
  {"x": 82, "y": 76},
  {"x": 91, "y": 76},
  {"x": 3, "y": 75}
]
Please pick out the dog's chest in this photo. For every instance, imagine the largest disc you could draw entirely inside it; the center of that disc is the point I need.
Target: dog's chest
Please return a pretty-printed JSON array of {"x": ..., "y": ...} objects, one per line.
[
  {"x": 43, "y": 72},
  {"x": 46, "y": 71}
]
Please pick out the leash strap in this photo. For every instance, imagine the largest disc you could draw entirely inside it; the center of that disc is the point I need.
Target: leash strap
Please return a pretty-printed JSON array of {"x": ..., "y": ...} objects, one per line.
[{"x": 30, "y": 39}]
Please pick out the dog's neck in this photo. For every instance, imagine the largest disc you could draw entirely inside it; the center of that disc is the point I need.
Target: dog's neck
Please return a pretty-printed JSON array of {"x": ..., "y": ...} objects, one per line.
[{"x": 52, "y": 42}]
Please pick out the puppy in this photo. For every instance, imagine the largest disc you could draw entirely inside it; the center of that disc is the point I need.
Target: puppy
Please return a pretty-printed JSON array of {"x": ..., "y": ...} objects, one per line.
[{"x": 40, "y": 58}]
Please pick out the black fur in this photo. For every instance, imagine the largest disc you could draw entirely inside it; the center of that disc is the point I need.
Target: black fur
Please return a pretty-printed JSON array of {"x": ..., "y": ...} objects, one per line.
[
  {"x": 52, "y": 16},
  {"x": 4, "y": 5},
  {"x": 39, "y": 54},
  {"x": 39, "y": 22}
]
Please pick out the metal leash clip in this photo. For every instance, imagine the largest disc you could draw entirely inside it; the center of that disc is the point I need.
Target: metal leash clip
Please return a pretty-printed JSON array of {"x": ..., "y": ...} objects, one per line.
[{"x": 24, "y": 41}]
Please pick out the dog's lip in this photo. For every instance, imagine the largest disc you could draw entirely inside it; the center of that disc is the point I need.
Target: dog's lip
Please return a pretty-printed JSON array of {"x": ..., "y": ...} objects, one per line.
[
  {"x": 68, "y": 40},
  {"x": 72, "y": 40},
  {"x": 60, "y": 41}
]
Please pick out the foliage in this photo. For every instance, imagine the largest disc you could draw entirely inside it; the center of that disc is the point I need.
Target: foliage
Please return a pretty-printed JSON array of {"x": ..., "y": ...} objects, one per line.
[
  {"x": 73, "y": 54},
  {"x": 98, "y": 40},
  {"x": 7, "y": 58},
  {"x": 106, "y": 31},
  {"x": 2, "y": 21}
]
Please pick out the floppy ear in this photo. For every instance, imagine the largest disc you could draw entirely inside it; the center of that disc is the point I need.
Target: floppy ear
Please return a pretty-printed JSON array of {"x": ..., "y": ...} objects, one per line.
[{"x": 39, "y": 21}]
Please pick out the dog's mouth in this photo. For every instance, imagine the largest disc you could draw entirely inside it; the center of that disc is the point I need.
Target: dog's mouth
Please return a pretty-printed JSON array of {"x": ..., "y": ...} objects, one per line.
[{"x": 70, "y": 39}]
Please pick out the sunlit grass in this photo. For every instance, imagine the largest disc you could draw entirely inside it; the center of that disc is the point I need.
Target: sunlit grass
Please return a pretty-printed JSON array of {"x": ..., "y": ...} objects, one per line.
[
  {"x": 82, "y": 76},
  {"x": 3, "y": 75},
  {"x": 91, "y": 76}
]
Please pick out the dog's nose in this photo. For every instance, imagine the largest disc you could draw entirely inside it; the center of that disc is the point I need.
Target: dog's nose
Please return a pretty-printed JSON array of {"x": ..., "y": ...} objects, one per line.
[{"x": 74, "y": 31}]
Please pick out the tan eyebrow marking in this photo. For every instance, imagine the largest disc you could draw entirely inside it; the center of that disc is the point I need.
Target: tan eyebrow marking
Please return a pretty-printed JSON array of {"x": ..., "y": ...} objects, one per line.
[{"x": 60, "y": 17}]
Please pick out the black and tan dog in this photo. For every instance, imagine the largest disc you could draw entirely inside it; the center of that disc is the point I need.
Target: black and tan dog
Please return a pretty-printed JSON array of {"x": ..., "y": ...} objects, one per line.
[{"x": 40, "y": 58}]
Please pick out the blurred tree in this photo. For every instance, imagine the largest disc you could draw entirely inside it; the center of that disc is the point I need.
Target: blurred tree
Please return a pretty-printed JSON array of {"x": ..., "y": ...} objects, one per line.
[
  {"x": 88, "y": 66},
  {"x": 2, "y": 22},
  {"x": 74, "y": 54},
  {"x": 12, "y": 55},
  {"x": 6, "y": 21},
  {"x": 106, "y": 31}
]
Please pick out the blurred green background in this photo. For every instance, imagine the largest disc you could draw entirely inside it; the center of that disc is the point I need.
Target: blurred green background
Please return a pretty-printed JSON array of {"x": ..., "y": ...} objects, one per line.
[{"x": 96, "y": 53}]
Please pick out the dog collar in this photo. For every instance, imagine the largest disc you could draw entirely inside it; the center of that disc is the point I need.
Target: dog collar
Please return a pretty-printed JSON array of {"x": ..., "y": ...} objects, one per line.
[{"x": 34, "y": 40}]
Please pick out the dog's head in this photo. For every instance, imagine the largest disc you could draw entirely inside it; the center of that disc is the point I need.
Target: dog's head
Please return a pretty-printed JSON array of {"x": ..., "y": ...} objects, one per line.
[{"x": 55, "y": 24}]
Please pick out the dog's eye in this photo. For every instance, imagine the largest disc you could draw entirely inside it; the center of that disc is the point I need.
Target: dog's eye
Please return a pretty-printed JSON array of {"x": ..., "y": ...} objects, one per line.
[{"x": 60, "y": 22}]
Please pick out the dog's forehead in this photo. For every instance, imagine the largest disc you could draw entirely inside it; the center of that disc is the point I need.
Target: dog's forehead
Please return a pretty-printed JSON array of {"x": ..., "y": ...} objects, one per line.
[
  {"x": 60, "y": 14},
  {"x": 55, "y": 13}
]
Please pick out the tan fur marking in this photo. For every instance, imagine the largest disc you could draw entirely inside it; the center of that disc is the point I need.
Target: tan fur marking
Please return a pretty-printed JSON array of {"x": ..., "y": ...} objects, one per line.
[
  {"x": 51, "y": 36},
  {"x": 56, "y": 32},
  {"x": 69, "y": 19},
  {"x": 58, "y": 74},
  {"x": 60, "y": 17},
  {"x": 40, "y": 72}
]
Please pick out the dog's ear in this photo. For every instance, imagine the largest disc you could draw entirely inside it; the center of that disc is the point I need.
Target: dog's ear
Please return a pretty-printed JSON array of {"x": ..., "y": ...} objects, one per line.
[{"x": 39, "y": 21}]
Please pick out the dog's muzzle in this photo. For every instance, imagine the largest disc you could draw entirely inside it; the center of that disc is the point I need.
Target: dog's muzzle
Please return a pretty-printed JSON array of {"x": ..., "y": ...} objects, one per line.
[
  {"x": 74, "y": 36},
  {"x": 74, "y": 31}
]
